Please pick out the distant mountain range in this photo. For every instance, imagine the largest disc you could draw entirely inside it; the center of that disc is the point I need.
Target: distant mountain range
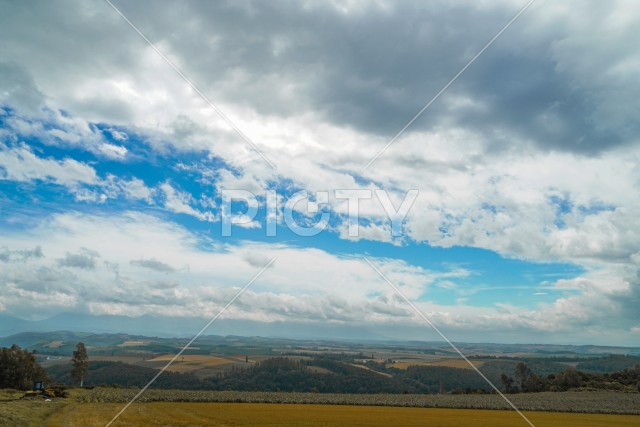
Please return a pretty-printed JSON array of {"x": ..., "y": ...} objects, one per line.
[
  {"x": 180, "y": 327},
  {"x": 41, "y": 341},
  {"x": 183, "y": 327},
  {"x": 101, "y": 324}
]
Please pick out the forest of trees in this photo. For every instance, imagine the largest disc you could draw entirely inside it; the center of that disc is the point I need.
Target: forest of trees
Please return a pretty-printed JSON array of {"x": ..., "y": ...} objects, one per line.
[
  {"x": 524, "y": 380},
  {"x": 611, "y": 363},
  {"x": 336, "y": 376},
  {"x": 19, "y": 368},
  {"x": 124, "y": 375},
  {"x": 276, "y": 374},
  {"x": 339, "y": 374}
]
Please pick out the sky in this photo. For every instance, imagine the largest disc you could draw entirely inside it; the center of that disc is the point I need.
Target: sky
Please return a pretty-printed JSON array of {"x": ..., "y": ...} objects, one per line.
[{"x": 113, "y": 166}]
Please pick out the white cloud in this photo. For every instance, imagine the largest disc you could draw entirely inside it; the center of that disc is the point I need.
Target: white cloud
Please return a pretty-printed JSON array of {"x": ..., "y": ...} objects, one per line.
[
  {"x": 180, "y": 202},
  {"x": 105, "y": 272},
  {"x": 367, "y": 232},
  {"x": 22, "y": 164},
  {"x": 133, "y": 189},
  {"x": 547, "y": 113},
  {"x": 456, "y": 168},
  {"x": 143, "y": 265},
  {"x": 113, "y": 151},
  {"x": 118, "y": 135}
]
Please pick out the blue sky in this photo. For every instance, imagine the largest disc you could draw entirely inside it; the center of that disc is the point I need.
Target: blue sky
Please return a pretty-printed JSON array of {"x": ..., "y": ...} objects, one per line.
[{"x": 524, "y": 228}]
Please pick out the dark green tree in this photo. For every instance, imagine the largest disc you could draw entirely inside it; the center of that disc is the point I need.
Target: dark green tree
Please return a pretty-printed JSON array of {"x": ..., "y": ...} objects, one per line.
[
  {"x": 507, "y": 382},
  {"x": 80, "y": 363},
  {"x": 568, "y": 379},
  {"x": 522, "y": 375}
]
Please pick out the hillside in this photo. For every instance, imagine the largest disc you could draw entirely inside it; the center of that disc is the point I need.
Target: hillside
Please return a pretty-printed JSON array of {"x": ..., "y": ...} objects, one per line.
[{"x": 332, "y": 376}]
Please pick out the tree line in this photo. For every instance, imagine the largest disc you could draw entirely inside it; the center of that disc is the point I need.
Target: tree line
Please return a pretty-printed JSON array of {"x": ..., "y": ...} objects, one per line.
[
  {"x": 524, "y": 380},
  {"x": 326, "y": 375},
  {"x": 19, "y": 368}
]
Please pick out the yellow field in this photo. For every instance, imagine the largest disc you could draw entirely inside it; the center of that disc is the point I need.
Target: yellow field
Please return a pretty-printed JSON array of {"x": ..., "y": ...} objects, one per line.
[
  {"x": 240, "y": 414},
  {"x": 118, "y": 358},
  {"x": 451, "y": 363}
]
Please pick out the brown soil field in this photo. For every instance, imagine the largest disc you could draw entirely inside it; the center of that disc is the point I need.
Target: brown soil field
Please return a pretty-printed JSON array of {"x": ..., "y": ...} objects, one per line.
[
  {"x": 54, "y": 344},
  {"x": 198, "y": 408},
  {"x": 132, "y": 344}
]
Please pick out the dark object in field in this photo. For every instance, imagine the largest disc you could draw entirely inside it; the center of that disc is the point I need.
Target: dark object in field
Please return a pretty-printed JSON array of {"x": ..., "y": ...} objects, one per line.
[{"x": 39, "y": 391}]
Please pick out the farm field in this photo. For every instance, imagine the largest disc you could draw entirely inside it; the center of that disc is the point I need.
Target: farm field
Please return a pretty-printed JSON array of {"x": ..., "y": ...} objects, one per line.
[
  {"x": 189, "y": 363},
  {"x": 600, "y": 401},
  {"x": 201, "y": 365},
  {"x": 195, "y": 408},
  {"x": 237, "y": 414},
  {"x": 21, "y": 412}
]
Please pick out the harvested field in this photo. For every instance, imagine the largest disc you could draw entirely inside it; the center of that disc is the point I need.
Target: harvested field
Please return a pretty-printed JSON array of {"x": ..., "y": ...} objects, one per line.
[
  {"x": 132, "y": 344},
  {"x": 234, "y": 414},
  {"x": 25, "y": 412},
  {"x": 199, "y": 408},
  {"x": 54, "y": 344},
  {"x": 131, "y": 359}
]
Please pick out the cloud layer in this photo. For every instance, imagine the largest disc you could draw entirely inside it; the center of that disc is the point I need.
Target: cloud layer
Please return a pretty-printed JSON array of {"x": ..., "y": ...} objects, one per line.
[{"x": 532, "y": 154}]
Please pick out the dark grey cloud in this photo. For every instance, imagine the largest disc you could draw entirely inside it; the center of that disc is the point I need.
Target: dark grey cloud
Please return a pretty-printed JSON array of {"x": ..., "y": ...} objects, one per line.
[
  {"x": 154, "y": 264},
  {"x": 18, "y": 89},
  {"x": 370, "y": 69},
  {"x": 8, "y": 255},
  {"x": 626, "y": 303},
  {"x": 84, "y": 259},
  {"x": 373, "y": 69}
]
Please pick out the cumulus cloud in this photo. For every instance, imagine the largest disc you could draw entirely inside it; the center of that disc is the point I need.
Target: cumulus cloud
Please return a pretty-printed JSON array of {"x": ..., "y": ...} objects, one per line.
[
  {"x": 532, "y": 153},
  {"x": 180, "y": 202},
  {"x": 113, "y": 151},
  {"x": 22, "y": 164},
  {"x": 117, "y": 135},
  {"x": 299, "y": 277},
  {"x": 480, "y": 145},
  {"x": 304, "y": 284},
  {"x": 131, "y": 189},
  {"x": 376, "y": 79}
]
